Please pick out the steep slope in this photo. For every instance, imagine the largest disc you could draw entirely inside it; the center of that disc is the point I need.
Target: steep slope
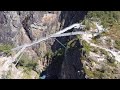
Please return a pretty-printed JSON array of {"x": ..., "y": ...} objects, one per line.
[
  {"x": 63, "y": 65},
  {"x": 103, "y": 59},
  {"x": 19, "y": 27},
  {"x": 92, "y": 55}
]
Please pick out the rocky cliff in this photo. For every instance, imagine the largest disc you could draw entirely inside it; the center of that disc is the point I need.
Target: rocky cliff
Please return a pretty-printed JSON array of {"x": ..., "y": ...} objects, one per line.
[
  {"x": 19, "y": 27},
  {"x": 94, "y": 54}
]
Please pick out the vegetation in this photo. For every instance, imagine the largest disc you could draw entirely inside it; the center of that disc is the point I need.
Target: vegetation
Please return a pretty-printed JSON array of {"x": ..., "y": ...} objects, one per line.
[
  {"x": 88, "y": 24},
  {"x": 104, "y": 33},
  {"x": 96, "y": 74},
  {"x": 88, "y": 72},
  {"x": 93, "y": 49},
  {"x": 103, "y": 52},
  {"x": 104, "y": 73},
  {"x": 86, "y": 46},
  {"x": 26, "y": 62},
  {"x": 113, "y": 32},
  {"x": 83, "y": 58},
  {"x": 6, "y": 48},
  {"x": 117, "y": 44},
  {"x": 96, "y": 39},
  {"x": 72, "y": 42},
  {"x": 111, "y": 61},
  {"x": 108, "y": 42},
  {"x": 110, "y": 20},
  {"x": 59, "y": 52},
  {"x": 107, "y": 18},
  {"x": 49, "y": 55},
  {"x": 28, "y": 73}
]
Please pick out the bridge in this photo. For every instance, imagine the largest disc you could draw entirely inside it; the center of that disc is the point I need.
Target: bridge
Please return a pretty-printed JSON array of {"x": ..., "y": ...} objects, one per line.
[
  {"x": 57, "y": 34},
  {"x": 86, "y": 35}
]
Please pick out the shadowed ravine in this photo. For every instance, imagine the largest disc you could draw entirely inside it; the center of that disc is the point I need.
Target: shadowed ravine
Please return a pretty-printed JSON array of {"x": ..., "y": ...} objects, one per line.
[{"x": 68, "y": 65}]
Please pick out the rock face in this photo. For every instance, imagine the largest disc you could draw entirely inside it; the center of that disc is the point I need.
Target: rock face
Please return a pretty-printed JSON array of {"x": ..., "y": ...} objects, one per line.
[
  {"x": 67, "y": 66},
  {"x": 15, "y": 28},
  {"x": 72, "y": 66},
  {"x": 19, "y": 27}
]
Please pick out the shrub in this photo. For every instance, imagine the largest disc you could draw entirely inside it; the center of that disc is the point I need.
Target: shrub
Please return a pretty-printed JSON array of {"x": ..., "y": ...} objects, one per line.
[{"x": 26, "y": 62}]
